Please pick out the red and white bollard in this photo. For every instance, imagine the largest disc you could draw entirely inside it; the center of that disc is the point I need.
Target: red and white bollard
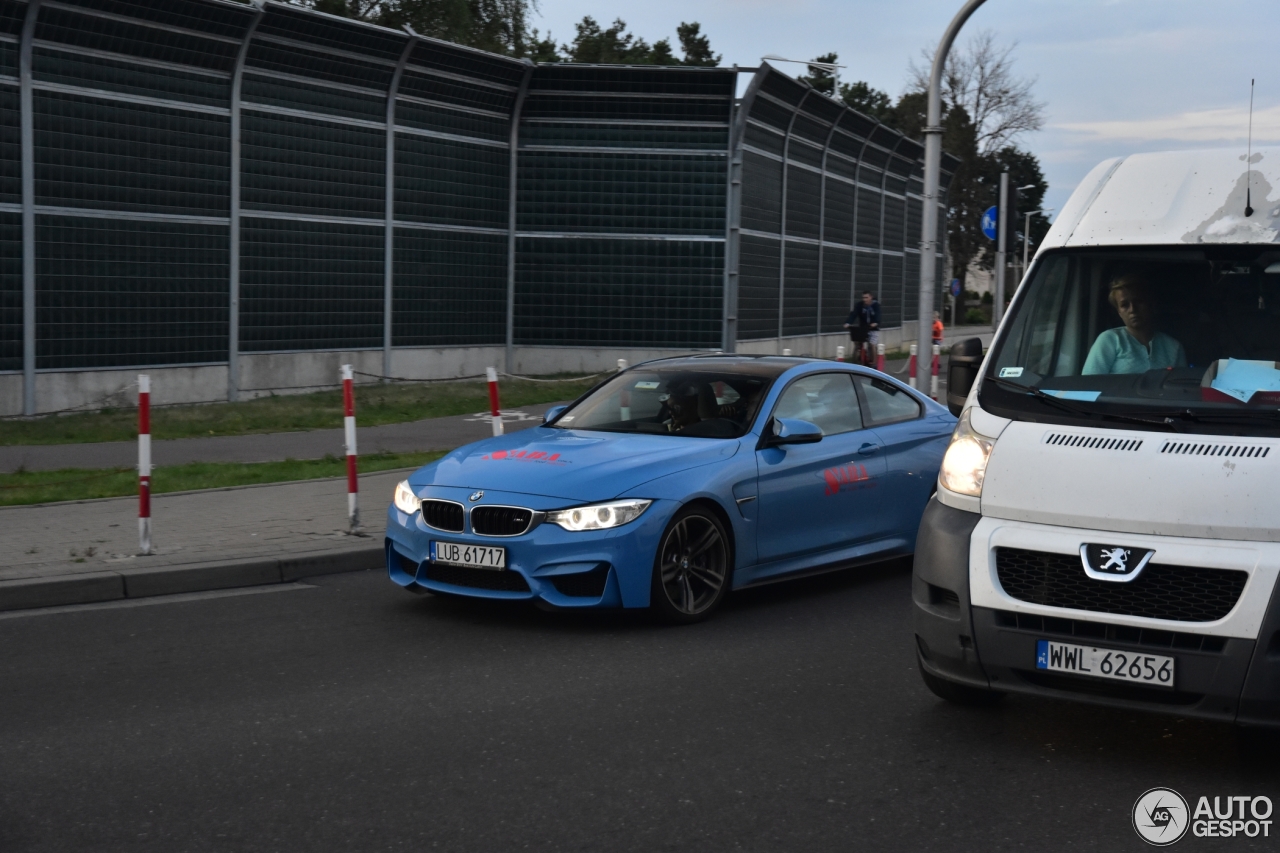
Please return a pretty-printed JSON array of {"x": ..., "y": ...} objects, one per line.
[
  {"x": 933, "y": 378},
  {"x": 144, "y": 464},
  {"x": 491, "y": 373},
  {"x": 839, "y": 353},
  {"x": 911, "y": 368},
  {"x": 349, "y": 429},
  {"x": 880, "y": 357}
]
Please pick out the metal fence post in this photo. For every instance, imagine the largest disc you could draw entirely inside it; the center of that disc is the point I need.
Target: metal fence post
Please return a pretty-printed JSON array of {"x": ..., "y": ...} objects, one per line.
[
  {"x": 782, "y": 216},
  {"x": 389, "y": 204},
  {"x": 233, "y": 227},
  {"x": 822, "y": 229},
  {"x": 509, "y": 364},
  {"x": 26, "y": 122}
]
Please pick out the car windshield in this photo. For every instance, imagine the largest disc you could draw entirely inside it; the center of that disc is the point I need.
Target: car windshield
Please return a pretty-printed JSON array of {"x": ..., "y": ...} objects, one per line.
[
  {"x": 677, "y": 400},
  {"x": 1174, "y": 339}
]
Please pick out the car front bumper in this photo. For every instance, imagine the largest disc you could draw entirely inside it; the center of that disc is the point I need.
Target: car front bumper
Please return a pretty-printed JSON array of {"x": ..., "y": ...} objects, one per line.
[
  {"x": 1235, "y": 679},
  {"x": 599, "y": 568}
]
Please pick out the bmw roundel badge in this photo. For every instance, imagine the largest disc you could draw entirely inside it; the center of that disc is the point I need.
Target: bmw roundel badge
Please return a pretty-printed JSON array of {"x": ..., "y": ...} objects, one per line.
[{"x": 475, "y": 496}]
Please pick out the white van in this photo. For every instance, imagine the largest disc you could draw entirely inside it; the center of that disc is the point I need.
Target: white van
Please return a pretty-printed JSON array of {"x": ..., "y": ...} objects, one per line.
[{"x": 1107, "y": 522}]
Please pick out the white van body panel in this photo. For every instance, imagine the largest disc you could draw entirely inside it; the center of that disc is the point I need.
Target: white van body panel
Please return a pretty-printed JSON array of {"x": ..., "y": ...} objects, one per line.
[
  {"x": 1261, "y": 560},
  {"x": 1209, "y": 486},
  {"x": 1171, "y": 198}
]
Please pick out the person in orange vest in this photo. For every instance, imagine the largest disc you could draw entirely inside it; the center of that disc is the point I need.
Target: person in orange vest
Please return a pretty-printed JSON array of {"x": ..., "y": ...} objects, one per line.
[{"x": 937, "y": 329}]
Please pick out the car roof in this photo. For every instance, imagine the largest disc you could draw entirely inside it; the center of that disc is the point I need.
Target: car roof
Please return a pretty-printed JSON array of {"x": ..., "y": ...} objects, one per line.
[{"x": 769, "y": 366}]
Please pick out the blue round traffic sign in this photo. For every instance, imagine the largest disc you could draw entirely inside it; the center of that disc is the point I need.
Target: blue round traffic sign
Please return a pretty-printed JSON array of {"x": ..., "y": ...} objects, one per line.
[
  {"x": 955, "y": 287},
  {"x": 989, "y": 222}
]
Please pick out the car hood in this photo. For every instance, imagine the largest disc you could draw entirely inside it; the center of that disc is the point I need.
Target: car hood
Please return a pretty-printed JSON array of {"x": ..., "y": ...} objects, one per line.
[{"x": 577, "y": 465}]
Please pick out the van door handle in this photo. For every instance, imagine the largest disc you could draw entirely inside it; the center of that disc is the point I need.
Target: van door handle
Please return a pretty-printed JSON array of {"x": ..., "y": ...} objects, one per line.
[{"x": 868, "y": 448}]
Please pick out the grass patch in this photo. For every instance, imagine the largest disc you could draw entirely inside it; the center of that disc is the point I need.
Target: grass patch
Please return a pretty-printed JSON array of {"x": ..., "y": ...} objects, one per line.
[
  {"x": 375, "y": 404},
  {"x": 72, "y": 484}
]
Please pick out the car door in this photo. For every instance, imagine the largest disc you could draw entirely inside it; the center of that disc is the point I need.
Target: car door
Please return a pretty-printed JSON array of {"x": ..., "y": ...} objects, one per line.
[
  {"x": 818, "y": 497},
  {"x": 911, "y": 451}
]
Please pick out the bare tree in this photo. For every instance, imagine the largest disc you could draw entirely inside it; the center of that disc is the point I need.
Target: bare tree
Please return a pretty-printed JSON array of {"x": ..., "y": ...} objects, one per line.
[{"x": 979, "y": 77}]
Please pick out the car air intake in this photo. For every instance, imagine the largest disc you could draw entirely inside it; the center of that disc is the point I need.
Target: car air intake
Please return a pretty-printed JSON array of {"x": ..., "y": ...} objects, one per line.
[
  {"x": 442, "y": 515},
  {"x": 500, "y": 520},
  {"x": 1180, "y": 593},
  {"x": 501, "y": 580},
  {"x": 583, "y": 585}
]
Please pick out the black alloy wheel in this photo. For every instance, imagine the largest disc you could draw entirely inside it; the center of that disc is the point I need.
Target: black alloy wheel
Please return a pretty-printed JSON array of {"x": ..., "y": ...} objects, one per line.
[{"x": 692, "y": 569}]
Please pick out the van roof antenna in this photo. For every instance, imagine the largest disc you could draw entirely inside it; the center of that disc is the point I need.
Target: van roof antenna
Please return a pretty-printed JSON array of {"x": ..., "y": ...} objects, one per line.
[{"x": 1248, "y": 160}]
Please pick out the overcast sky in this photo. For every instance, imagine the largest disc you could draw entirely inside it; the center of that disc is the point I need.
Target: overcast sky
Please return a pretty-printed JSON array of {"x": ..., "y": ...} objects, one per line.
[{"x": 1117, "y": 76}]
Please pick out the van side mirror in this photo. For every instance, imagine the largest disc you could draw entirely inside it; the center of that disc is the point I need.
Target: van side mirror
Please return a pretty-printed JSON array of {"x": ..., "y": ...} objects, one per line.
[
  {"x": 962, "y": 372},
  {"x": 552, "y": 413},
  {"x": 791, "y": 431}
]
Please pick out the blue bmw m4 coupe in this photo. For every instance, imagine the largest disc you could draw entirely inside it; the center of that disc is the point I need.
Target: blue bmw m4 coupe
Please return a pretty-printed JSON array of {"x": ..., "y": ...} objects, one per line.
[{"x": 674, "y": 482}]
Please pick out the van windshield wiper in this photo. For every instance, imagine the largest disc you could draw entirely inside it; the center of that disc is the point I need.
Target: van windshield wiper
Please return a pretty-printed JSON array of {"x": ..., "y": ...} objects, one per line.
[
  {"x": 1219, "y": 416},
  {"x": 1063, "y": 405}
]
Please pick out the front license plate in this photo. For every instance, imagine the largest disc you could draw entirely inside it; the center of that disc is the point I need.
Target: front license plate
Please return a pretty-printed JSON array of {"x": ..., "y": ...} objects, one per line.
[
  {"x": 1153, "y": 670},
  {"x": 471, "y": 556}
]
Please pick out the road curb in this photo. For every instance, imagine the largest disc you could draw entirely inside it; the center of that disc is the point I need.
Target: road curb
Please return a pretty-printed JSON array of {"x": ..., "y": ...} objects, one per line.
[{"x": 97, "y": 586}]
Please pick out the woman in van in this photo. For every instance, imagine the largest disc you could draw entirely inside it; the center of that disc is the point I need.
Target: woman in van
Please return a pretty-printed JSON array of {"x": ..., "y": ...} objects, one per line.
[{"x": 1137, "y": 346}]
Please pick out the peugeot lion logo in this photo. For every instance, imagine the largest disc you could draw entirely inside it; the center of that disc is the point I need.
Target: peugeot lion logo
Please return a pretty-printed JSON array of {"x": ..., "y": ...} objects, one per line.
[
  {"x": 1114, "y": 562},
  {"x": 475, "y": 496}
]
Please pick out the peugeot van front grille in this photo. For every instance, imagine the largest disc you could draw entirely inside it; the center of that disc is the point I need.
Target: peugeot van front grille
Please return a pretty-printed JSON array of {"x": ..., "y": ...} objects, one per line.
[{"x": 1177, "y": 593}]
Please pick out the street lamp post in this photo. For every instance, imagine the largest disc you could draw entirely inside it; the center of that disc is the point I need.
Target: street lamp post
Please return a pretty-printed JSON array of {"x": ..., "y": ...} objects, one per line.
[
  {"x": 932, "y": 170},
  {"x": 1026, "y": 236},
  {"x": 830, "y": 67}
]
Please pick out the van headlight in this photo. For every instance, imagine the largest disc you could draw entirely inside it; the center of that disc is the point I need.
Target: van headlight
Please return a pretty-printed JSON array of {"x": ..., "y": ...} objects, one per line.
[
  {"x": 599, "y": 516},
  {"x": 965, "y": 464},
  {"x": 406, "y": 501}
]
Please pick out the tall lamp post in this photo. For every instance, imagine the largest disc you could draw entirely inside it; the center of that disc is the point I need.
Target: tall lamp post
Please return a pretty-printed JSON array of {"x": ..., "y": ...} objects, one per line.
[
  {"x": 932, "y": 171},
  {"x": 1026, "y": 236},
  {"x": 829, "y": 67}
]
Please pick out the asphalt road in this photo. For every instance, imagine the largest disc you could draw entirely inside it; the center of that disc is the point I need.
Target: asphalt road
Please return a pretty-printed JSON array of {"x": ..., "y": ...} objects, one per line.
[{"x": 349, "y": 715}]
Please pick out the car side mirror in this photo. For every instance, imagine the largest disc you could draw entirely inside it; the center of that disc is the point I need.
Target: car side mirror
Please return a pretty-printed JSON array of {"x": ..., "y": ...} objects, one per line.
[
  {"x": 962, "y": 372},
  {"x": 552, "y": 413},
  {"x": 792, "y": 431}
]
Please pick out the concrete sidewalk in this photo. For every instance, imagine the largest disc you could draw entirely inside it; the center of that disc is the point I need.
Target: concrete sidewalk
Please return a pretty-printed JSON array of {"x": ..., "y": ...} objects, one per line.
[
  {"x": 427, "y": 434},
  {"x": 75, "y": 553}
]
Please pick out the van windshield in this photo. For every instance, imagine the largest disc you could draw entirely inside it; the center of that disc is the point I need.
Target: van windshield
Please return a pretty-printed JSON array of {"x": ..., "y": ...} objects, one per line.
[{"x": 1182, "y": 340}]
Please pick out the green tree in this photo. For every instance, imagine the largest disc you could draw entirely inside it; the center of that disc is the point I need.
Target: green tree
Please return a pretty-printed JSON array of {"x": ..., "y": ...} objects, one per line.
[
  {"x": 696, "y": 46},
  {"x": 616, "y": 46},
  {"x": 498, "y": 26},
  {"x": 821, "y": 79},
  {"x": 869, "y": 101}
]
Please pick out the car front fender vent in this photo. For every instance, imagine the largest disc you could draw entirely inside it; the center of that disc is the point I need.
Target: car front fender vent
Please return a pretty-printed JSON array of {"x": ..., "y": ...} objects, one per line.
[
  {"x": 1092, "y": 442},
  {"x": 1191, "y": 448}
]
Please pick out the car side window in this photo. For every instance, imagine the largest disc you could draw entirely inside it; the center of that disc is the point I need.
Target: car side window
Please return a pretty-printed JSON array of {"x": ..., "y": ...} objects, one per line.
[
  {"x": 825, "y": 399},
  {"x": 887, "y": 403}
]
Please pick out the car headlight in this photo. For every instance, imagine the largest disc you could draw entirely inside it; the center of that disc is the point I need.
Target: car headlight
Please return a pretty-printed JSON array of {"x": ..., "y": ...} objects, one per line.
[
  {"x": 964, "y": 466},
  {"x": 599, "y": 516},
  {"x": 406, "y": 501}
]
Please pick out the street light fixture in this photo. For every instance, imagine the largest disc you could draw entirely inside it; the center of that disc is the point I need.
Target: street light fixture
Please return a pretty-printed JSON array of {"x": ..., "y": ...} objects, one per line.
[{"x": 830, "y": 67}]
